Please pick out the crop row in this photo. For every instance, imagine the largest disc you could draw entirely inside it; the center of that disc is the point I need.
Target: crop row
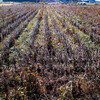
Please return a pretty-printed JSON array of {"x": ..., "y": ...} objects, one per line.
[{"x": 82, "y": 21}]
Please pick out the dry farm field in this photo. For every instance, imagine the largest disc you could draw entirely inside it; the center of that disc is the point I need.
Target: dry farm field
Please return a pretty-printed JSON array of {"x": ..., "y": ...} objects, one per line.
[{"x": 49, "y": 52}]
